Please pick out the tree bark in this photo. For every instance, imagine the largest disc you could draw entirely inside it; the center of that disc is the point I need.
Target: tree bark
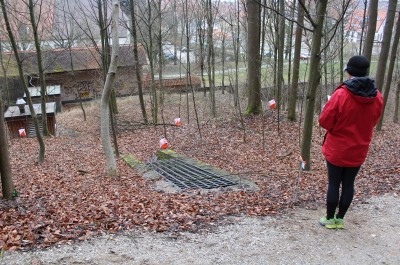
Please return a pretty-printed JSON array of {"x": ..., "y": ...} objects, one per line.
[
  {"x": 105, "y": 56},
  {"x": 313, "y": 82},
  {"x": 396, "y": 104},
  {"x": 296, "y": 66},
  {"x": 253, "y": 58},
  {"x": 105, "y": 98},
  {"x": 137, "y": 63},
  {"x": 385, "y": 47},
  {"x": 369, "y": 39},
  {"x": 188, "y": 71},
  {"x": 223, "y": 59},
  {"x": 236, "y": 46},
  {"x": 362, "y": 27},
  {"x": 175, "y": 30},
  {"x": 281, "y": 55},
  {"x": 341, "y": 51},
  {"x": 4, "y": 70},
  {"x": 7, "y": 186},
  {"x": 150, "y": 55},
  {"x": 211, "y": 57},
  {"x": 201, "y": 37},
  {"x": 389, "y": 76}
]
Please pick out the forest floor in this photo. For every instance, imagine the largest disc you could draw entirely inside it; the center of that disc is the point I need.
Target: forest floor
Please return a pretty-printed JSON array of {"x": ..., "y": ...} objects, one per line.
[{"x": 69, "y": 212}]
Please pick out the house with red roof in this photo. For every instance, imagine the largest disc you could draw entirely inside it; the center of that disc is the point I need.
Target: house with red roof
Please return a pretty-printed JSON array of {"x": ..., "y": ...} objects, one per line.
[{"x": 356, "y": 26}]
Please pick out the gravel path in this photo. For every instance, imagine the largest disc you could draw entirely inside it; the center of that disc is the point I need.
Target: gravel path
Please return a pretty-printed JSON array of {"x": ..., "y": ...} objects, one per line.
[{"x": 371, "y": 236}]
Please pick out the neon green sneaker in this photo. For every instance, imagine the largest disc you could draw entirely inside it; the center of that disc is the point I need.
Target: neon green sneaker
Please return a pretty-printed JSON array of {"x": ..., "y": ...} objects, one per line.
[
  {"x": 339, "y": 223},
  {"x": 328, "y": 223}
]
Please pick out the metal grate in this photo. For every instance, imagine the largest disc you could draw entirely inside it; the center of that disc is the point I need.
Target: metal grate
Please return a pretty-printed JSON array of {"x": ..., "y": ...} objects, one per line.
[{"x": 188, "y": 176}]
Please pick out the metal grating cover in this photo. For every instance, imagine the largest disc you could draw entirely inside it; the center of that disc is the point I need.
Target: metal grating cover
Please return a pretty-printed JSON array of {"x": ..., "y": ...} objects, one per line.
[{"x": 188, "y": 176}]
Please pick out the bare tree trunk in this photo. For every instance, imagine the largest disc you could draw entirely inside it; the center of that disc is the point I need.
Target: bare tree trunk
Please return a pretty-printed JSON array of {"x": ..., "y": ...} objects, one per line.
[
  {"x": 4, "y": 70},
  {"x": 103, "y": 36},
  {"x": 188, "y": 69},
  {"x": 24, "y": 84},
  {"x": 369, "y": 39},
  {"x": 385, "y": 47},
  {"x": 313, "y": 82},
  {"x": 223, "y": 60},
  {"x": 151, "y": 61},
  {"x": 137, "y": 63},
  {"x": 253, "y": 58},
  {"x": 389, "y": 75},
  {"x": 341, "y": 51},
  {"x": 396, "y": 104},
  {"x": 275, "y": 31},
  {"x": 160, "y": 64},
  {"x": 81, "y": 103},
  {"x": 236, "y": 46},
  {"x": 281, "y": 55},
  {"x": 211, "y": 57},
  {"x": 112, "y": 122},
  {"x": 324, "y": 74},
  {"x": 362, "y": 27},
  {"x": 105, "y": 55},
  {"x": 188, "y": 74},
  {"x": 289, "y": 44},
  {"x": 105, "y": 98},
  {"x": 296, "y": 66},
  {"x": 7, "y": 186},
  {"x": 263, "y": 18},
  {"x": 200, "y": 33},
  {"x": 43, "y": 91},
  {"x": 175, "y": 29}
]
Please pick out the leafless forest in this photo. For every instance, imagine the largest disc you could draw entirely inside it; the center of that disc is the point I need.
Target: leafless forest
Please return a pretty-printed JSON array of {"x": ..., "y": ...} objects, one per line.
[{"x": 247, "y": 79}]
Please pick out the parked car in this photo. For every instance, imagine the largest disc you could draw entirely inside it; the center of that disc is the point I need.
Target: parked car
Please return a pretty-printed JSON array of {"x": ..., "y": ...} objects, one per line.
[
  {"x": 305, "y": 56},
  {"x": 169, "y": 56},
  {"x": 184, "y": 49}
]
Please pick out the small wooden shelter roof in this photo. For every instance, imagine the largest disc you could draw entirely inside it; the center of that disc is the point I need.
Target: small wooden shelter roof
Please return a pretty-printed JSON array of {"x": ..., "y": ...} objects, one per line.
[
  {"x": 13, "y": 111},
  {"x": 50, "y": 90}
]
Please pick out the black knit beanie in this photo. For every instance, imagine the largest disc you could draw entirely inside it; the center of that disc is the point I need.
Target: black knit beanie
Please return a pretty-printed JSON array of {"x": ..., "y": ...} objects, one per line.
[{"x": 358, "y": 66}]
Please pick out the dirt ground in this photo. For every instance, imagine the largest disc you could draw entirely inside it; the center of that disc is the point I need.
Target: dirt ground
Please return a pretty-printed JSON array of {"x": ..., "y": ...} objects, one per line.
[
  {"x": 293, "y": 236},
  {"x": 371, "y": 236}
]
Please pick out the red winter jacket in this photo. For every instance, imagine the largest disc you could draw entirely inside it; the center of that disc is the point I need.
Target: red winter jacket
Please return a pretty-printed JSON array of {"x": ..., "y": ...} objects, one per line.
[{"x": 349, "y": 117}]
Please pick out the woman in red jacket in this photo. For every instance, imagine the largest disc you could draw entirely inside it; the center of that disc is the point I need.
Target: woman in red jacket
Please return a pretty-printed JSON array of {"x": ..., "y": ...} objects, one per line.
[{"x": 349, "y": 118}]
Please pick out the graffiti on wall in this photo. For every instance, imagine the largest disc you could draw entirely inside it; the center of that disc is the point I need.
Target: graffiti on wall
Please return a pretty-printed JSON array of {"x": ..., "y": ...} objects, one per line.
[
  {"x": 81, "y": 89},
  {"x": 92, "y": 88}
]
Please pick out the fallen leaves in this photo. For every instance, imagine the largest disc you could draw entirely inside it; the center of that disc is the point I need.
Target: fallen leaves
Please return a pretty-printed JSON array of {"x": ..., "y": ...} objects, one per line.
[{"x": 68, "y": 198}]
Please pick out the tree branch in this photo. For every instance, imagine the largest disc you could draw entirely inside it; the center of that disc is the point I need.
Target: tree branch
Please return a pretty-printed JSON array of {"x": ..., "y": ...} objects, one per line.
[{"x": 293, "y": 20}]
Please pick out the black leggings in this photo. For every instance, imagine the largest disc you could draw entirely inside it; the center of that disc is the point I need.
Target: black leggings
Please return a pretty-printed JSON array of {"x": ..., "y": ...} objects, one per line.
[{"x": 340, "y": 175}]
